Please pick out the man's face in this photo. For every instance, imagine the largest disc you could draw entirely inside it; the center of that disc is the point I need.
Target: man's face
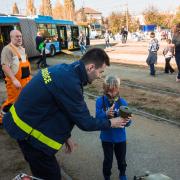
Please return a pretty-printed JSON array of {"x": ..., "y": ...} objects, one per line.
[
  {"x": 16, "y": 38},
  {"x": 95, "y": 73}
]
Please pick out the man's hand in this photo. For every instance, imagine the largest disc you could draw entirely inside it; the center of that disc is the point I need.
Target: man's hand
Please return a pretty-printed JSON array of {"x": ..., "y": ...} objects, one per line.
[
  {"x": 17, "y": 84},
  {"x": 69, "y": 146},
  {"x": 128, "y": 119},
  {"x": 118, "y": 122},
  {"x": 110, "y": 111}
]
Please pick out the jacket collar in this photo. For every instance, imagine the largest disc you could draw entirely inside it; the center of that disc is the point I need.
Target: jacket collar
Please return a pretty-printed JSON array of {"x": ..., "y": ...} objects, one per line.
[{"x": 80, "y": 71}]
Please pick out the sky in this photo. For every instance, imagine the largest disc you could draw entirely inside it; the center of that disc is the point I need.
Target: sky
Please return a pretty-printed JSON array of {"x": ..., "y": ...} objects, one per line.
[{"x": 104, "y": 6}]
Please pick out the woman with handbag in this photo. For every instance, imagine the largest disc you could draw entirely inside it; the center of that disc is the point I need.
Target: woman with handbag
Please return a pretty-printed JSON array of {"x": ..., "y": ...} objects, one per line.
[
  {"x": 81, "y": 42},
  {"x": 176, "y": 45},
  {"x": 168, "y": 55}
]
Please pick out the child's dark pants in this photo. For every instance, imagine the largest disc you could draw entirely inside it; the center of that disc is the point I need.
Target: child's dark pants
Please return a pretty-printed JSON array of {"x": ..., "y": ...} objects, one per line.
[
  {"x": 168, "y": 66},
  {"x": 120, "y": 153}
]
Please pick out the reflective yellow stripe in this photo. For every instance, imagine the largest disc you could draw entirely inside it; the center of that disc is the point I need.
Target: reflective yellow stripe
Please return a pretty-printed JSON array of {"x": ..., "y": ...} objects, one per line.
[{"x": 33, "y": 132}]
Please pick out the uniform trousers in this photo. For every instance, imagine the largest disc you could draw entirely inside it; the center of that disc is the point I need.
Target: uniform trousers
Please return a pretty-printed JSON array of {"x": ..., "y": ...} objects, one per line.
[{"x": 42, "y": 166}]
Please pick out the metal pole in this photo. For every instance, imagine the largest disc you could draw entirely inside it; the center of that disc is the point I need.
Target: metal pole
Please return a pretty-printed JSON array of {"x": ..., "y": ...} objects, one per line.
[{"x": 126, "y": 16}]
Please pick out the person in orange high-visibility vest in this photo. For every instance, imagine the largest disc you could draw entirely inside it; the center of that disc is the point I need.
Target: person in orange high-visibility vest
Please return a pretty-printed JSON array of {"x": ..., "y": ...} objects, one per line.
[{"x": 16, "y": 68}]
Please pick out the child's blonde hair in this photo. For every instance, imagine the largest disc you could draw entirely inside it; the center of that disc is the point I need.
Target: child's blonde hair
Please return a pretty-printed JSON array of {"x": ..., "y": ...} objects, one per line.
[{"x": 112, "y": 84}]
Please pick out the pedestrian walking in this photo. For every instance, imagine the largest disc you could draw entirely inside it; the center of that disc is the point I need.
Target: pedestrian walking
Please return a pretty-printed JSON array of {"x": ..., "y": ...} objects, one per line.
[
  {"x": 107, "y": 37},
  {"x": 152, "y": 57},
  {"x": 113, "y": 139},
  {"x": 48, "y": 108},
  {"x": 123, "y": 34},
  {"x": 176, "y": 48},
  {"x": 81, "y": 42},
  {"x": 168, "y": 55},
  {"x": 17, "y": 70},
  {"x": 42, "y": 60}
]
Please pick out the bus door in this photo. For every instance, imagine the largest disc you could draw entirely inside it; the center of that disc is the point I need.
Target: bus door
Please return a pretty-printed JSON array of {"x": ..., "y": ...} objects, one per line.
[
  {"x": 75, "y": 36},
  {"x": 63, "y": 37},
  {"x": 5, "y": 36},
  {"x": 87, "y": 36}
]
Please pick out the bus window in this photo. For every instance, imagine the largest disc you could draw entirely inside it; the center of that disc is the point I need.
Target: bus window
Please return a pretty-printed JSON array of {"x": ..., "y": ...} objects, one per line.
[
  {"x": 17, "y": 27},
  {"x": 49, "y": 31}
]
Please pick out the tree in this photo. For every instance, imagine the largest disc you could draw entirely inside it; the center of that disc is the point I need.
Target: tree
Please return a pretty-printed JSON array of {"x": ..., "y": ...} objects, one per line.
[
  {"x": 15, "y": 9},
  {"x": 45, "y": 8},
  {"x": 135, "y": 23},
  {"x": 131, "y": 22},
  {"x": 58, "y": 11},
  {"x": 152, "y": 16},
  {"x": 177, "y": 18},
  {"x": 105, "y": 23},
  {"x": 83, "y": 16},
  {"x": 30, "y": 9},
  {"x": 116, "y": 21},
  {"x": 69, "y": 9},
  {"x": 169, "y": 19}
]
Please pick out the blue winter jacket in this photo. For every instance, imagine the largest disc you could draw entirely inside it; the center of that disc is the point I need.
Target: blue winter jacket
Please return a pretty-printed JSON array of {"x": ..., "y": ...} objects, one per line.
[
  {"x": 114, "y": 135},
  {"x": 49, "y": 106}
]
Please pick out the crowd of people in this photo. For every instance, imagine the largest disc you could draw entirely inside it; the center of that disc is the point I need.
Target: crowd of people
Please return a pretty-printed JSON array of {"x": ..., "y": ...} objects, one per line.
[{"x": 172, "y": 49}]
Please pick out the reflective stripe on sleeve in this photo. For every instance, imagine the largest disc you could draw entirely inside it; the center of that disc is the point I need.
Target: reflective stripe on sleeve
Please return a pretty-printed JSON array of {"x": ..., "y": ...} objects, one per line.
[{"x": 33, "y": 132}]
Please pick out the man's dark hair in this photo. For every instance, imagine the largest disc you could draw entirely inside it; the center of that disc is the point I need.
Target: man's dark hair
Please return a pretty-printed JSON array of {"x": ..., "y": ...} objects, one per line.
[{"x": 96, "y": 56}]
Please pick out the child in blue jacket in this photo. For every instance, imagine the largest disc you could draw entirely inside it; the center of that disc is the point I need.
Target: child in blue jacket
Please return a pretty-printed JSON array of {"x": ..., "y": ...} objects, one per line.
[{"x": 113, "y": 139}]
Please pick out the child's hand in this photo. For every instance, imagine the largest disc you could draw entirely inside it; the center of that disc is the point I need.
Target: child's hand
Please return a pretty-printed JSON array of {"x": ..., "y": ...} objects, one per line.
[
  {"x": 128, "y": 119},
  {"x": 110, "y": 111}
]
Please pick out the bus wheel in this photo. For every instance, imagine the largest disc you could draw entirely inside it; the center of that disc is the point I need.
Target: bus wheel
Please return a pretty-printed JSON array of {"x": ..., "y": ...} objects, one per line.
[{"x": 52, "y": 51}]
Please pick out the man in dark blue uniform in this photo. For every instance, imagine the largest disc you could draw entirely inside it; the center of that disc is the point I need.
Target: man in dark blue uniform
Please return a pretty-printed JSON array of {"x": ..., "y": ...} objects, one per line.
[{"x": 48, "y": 108}]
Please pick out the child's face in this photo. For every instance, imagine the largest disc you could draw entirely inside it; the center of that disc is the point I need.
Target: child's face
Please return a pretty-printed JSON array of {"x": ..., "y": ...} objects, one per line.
[{"x": 111, "y": 94}]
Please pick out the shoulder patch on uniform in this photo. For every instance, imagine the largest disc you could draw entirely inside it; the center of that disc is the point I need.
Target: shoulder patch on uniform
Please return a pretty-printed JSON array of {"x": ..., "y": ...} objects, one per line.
[{"x": 46, "y": 75}]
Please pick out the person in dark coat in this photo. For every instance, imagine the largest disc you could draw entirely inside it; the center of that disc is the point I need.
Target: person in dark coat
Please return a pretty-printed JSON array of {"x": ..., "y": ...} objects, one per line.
[
  {"x": 123, "y": 34},
  {"x": 48, "y": 108},
  {"x": 42, "y": 60}
]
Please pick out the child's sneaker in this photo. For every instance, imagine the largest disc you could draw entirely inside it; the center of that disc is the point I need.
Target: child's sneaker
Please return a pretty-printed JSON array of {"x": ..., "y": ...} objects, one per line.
[
  {"x": 123, "y": 177},
  {"x": 177, "y": 80}
]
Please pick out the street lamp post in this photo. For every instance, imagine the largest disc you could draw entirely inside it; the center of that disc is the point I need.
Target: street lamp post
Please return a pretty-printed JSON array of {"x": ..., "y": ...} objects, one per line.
[{"x": 126, "y": 16}]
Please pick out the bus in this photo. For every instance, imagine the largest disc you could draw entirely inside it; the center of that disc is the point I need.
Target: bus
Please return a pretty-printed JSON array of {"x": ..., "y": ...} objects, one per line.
[
  {"x": 61, "y": 34},
  {"x": 95, "y": 31}
]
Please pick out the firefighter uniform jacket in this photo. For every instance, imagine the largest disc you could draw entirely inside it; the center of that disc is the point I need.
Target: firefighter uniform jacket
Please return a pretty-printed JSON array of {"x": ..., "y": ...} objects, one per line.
[{"x": 49, "y": 106}]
